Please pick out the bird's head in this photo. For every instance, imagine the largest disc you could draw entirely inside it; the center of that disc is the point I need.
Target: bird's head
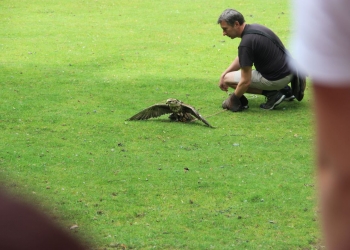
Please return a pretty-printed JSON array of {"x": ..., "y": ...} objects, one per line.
[{"x": 173, "y": 102}]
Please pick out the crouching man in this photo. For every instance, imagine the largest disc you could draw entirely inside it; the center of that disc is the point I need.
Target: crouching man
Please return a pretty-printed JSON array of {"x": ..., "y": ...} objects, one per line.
[{"x": 262, "y": 48}]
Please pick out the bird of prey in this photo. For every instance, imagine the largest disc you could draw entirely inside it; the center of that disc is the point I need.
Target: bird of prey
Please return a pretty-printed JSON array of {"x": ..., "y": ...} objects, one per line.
[{"x": 179, "y": 112}]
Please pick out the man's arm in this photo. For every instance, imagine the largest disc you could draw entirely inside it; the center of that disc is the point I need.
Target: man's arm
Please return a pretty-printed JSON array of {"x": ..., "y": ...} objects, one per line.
[
  {"x": 246, "y": 78},
  {"x": 234, "y": 66}
]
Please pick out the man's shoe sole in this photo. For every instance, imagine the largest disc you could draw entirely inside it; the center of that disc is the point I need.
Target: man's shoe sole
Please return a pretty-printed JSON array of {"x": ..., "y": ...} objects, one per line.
[
  {"x": 289, "y": 99},
  {"x": 244, "y": 107}
]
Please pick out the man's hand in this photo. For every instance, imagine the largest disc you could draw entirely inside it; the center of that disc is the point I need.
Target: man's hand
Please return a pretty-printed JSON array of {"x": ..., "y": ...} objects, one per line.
[{"x": 222, "y": 85}]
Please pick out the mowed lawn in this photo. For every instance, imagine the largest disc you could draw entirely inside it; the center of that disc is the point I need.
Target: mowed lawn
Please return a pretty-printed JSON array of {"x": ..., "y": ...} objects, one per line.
[{"x": 73, "y": 72}]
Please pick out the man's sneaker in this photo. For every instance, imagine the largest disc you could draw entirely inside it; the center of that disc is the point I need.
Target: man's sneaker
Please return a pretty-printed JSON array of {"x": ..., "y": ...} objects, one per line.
[
  {"x": 287, "y": 91},
  {"x": 273, "y": 99}
]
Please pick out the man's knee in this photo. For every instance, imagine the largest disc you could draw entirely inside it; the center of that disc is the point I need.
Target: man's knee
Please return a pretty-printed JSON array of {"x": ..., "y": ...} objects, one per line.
[{"x": 231, "y": 78}]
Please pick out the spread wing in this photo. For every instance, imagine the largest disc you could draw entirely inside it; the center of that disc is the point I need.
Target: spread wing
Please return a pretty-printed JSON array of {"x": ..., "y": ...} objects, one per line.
[
  {"x": 189, "y": 109},
  {"x": 153, "y": 111}
]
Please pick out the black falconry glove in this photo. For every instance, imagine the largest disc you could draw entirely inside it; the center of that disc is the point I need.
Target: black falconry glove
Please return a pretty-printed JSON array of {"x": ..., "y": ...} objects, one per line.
[{"x": 236, "y": 104}]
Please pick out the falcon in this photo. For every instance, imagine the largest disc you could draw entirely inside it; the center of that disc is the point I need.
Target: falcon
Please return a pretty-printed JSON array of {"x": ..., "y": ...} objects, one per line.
[{"x": 179, "y": 112}]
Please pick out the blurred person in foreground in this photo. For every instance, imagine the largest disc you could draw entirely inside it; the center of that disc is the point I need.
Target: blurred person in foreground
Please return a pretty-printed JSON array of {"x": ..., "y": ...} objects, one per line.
[
  {"x": 23, "y": 227},
  {"x": 321, "y": 47}
]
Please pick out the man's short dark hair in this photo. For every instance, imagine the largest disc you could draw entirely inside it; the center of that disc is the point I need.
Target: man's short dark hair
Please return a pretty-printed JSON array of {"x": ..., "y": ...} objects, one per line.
[{"x": 230, "y": 16}]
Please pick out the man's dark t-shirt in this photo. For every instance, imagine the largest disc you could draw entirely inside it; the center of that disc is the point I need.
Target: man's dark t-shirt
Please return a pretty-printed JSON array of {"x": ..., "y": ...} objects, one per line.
[{"x": 261, "y": 52}]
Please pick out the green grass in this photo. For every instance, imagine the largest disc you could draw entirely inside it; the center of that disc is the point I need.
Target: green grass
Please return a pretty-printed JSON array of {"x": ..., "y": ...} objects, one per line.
[{"x": 72, "y": 72}]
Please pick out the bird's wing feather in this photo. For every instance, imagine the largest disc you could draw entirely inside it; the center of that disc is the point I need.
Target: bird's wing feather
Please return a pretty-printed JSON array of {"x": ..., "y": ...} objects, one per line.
[
  {"x": 153, "y": 111},
  {"x": 189, "y": 109}
]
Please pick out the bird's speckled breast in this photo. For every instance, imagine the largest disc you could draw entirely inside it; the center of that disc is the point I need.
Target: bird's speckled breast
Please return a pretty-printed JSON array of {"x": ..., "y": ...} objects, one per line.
[{"x": 175, "y": 108}]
